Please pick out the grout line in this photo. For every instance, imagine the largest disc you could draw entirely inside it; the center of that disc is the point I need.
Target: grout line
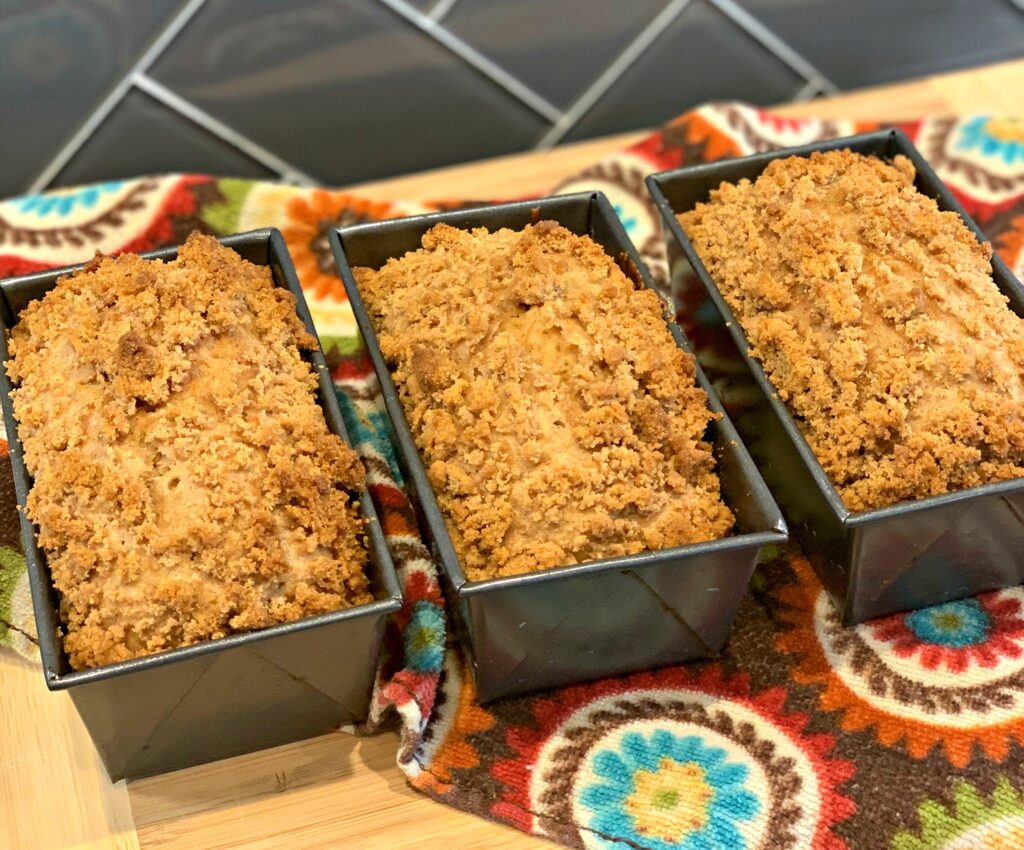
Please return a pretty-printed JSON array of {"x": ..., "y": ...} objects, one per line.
[
  {"x": 611, "y": 74},
  {"x": 808, "y": 91},
  {"x": 770, "y": 41},
  {"x": 114, "y": 97},
  {"x": 440, "y": 10},
  {"x": 160, "y": 92},
  {"x": 472, "y": 56}
]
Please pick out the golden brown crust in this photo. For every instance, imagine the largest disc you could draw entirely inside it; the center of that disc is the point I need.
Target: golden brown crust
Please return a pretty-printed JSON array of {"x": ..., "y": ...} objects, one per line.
[
  {"x": 876, "y": 318},
  {"x": 558, "y": 420},
  {"x": 186, "y": 485}
]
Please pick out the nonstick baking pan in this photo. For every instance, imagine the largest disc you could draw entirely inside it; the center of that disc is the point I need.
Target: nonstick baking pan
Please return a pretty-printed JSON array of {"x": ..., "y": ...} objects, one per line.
[
  {"x": 872, "y": 563},
  {"x": 221, "y": 697},
  {"x": 602, "y": 618}
]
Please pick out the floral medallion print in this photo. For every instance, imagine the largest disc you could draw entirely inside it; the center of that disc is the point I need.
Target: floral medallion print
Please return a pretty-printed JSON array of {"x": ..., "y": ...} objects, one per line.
[
  {"x": 668, "y": 791},
  {"x": 70, "y": 225},
  {"x": 994, "y": 138},
  {"x": 62, "y": 202},
  {"x": 310, "y": 217},
  {"x": 692, "y": 138},
  {"x": 1007, "y": 234},
  {"x": 906, "y": 733},
  {"x": 980, "y": 158},
  {"x": 17, "y": 623},
  {"x": 949, "y": 677},
  {"x": 974, "y": 821},
  {"x": 424, "y": 637},
  {"x": 674, "y": 759},
  {"x": 957, "y": 635},
  {"x": 755, "y": 130},
  {"x": 445, "y": 747}
]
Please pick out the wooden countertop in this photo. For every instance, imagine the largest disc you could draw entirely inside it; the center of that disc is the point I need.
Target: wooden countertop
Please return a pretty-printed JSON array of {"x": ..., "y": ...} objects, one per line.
[{"x": 335, "y": 791}]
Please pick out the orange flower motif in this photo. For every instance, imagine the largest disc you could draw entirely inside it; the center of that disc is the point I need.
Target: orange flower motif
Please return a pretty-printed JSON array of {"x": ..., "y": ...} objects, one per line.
[
  {"x": 1010, "y": 243},
  {"x": 698, "y": 139},
  {"x": 454, "y": 728},
  {"x": 311, "y": 216},
  {"x": 866, "y": 675}
]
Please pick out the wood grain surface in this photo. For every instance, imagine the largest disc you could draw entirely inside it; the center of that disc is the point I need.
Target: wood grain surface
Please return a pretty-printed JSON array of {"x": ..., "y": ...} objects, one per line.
[{"x": 334, "y": 791}]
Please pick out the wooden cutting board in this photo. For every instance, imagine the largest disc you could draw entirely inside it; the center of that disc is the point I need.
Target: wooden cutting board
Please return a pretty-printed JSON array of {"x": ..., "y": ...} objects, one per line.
[{"x": 335, "y": 791}]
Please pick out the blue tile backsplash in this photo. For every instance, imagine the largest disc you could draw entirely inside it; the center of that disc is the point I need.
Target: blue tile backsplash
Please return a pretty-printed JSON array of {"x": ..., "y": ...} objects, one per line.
[{"x": 340, "y": 91}]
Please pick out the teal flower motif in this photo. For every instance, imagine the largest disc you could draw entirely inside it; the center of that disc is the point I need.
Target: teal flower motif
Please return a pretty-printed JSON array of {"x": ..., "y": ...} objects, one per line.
[
  {"x": 424, "y": 638},
  {"x": 957, "y": 624},
  {"x": 999, "y": 138},
  {"x": 370, "y": 426},
  {"x": 668, "y": 792},
  {"x": 63, "y": 202},
  {"x": 986, "y": 630},
  {"x": 628, "y": 222}
]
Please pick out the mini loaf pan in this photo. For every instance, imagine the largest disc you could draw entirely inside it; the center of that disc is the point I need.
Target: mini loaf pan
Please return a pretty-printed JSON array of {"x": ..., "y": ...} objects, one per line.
[
  {"x": 221, "y": 697},
  {"x": 602, "y": 618},
  {"x": 872, "y": 563}
]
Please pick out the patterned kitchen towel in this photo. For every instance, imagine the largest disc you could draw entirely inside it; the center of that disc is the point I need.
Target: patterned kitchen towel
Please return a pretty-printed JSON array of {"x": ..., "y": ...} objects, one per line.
[{"x": 904, "y": 733}]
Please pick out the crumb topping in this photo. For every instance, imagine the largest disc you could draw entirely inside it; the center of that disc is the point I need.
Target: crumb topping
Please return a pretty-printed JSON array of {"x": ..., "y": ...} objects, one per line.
[
  {"x": 185, "y": 483},
  {"x": 876, "y": 317},
  {"x": 557, "y": 418}
]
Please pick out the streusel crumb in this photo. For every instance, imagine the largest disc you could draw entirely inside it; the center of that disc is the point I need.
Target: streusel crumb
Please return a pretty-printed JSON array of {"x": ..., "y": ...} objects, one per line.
[
  {"x": 558, "y": 420},
  {"x": 876, "y": 317},
  {"x": 186, "y": 485}
]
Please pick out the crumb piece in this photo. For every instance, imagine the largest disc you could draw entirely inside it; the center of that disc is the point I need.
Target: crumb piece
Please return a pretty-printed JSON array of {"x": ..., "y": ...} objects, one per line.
[
  {"x": 876, "y": 318},
  {"x": 557, "y": 418},
  {"x": 186, "y": 485}
]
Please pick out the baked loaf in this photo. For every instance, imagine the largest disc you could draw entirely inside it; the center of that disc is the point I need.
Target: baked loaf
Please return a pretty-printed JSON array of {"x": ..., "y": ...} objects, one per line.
[
  {"x": 185, "y": 483},
  {"x": 557, "y": 418},
  {"x": 876, "y": 317}
]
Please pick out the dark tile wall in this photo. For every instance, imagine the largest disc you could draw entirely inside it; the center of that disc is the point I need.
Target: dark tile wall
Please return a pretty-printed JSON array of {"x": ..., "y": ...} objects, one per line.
[
  {"x": 557, "y": 47},
  {"x": 673, "y": 73},
  {"x": 57, "y": 61},
  {"x": 163, "y": 143},
  {"x": 343, "y": 90},
  {"x": 339, "y": 91},
  {"x": 874, "y": 41}
]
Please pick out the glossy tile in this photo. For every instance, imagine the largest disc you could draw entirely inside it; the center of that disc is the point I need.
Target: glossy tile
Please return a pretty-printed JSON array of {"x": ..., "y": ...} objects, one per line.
[
  {"x": 702, "y": 56},
  {"x": 142, "y": 136},
  {"x": 876, "y": 41},
  {"x": 57, "y": 61},
  {"x": 557, "y": 47},
  {"x": 346, "y": 91}
]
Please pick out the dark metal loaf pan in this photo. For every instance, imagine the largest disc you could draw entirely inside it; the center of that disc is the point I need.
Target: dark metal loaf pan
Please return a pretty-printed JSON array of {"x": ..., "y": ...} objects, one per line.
[
  {"x": 905, "y": 556},
  {"x": 602, "y": 618},
  {"x": 221, "y": 697}
]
